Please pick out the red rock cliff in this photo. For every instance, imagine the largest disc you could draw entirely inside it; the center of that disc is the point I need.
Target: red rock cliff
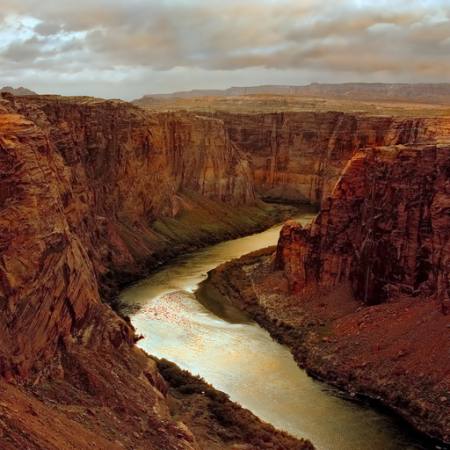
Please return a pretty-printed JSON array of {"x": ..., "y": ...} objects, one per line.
[
  {"x": 385, "y": 228},
  {"x": 121, "y": 170},
  {"x": 84, "y": 185}
]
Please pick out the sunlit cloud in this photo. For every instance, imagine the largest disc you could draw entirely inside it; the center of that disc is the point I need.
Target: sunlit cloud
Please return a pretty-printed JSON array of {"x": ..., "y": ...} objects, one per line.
[{"x": 52, "y": 43}]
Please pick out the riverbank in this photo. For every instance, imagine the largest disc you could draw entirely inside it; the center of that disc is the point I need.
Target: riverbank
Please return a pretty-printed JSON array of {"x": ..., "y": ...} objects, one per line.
[
  {"x": 127, "y": 400},
  {"x": 216, "y": 421},
  {"x": 366, "y": 352}
]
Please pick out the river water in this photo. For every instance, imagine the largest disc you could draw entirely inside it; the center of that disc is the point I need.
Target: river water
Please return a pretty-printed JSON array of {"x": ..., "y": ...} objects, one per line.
[{"x": 238, "y": 357}]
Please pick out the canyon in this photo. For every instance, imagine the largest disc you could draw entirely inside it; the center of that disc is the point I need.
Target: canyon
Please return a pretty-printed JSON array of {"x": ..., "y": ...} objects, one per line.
[
  {"x": 94, "y": 194},
  {"x": 91, "y": 188}
]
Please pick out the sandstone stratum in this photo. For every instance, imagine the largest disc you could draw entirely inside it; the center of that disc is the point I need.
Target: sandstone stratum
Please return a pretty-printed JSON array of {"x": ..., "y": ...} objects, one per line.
[{"x": 95, "y": 193}]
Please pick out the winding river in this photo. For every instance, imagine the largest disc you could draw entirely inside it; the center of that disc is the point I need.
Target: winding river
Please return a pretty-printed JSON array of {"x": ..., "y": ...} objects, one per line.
[{"x": 238, "y": 357}]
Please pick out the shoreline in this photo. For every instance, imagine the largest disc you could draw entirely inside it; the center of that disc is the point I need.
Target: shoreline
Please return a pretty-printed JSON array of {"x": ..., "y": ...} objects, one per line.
[
  {"x": 236, "y": 281},
  {"x": 216, "y": 419}
]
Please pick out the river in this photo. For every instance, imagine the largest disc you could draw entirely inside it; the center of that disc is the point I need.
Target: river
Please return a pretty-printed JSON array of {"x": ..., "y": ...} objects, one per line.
[{"x": 238, "y": 357}]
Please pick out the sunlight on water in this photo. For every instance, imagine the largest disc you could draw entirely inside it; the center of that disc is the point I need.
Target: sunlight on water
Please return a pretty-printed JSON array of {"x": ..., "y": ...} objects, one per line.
[{"x": 242, "y": 360}]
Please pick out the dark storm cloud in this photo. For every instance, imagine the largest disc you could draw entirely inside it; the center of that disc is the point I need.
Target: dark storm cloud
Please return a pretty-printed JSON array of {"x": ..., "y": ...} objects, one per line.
[{"x": 358, "y": 38}]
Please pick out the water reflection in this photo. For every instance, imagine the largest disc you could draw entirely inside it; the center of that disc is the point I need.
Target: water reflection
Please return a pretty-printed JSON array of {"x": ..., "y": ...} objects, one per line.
[{"x": 240, "y": 358}]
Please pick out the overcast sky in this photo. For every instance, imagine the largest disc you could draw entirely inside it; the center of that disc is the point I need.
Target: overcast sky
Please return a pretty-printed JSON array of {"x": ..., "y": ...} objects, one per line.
[{"x": 127, "y": 48}]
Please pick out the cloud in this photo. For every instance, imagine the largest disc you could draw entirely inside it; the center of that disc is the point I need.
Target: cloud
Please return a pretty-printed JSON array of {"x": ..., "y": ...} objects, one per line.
[
  {"x": 28, "y": 50},
  {"x": 47, "y": 28},
  {"x": 356, "y": 38}
]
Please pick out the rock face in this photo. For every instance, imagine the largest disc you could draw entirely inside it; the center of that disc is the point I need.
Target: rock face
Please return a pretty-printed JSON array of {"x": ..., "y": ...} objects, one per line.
[
  {"x": 119, "y": 170},
  {"x": 385, "y": 228},
  {"x": 300, "y": 156},
  {"x": 41, "y": 257},
  {"x": 50, "y": 300},
  {"x": 81, "y": 182}
]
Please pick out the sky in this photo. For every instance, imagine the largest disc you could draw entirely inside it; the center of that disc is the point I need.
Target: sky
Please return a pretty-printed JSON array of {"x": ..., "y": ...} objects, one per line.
[{"x": 128, "y": 48}]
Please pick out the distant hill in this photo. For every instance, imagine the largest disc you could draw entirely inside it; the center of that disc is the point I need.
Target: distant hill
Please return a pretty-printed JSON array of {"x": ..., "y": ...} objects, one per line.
[
  {"x": 438, "y": 93},
  {"x": 17, "y": 91}
]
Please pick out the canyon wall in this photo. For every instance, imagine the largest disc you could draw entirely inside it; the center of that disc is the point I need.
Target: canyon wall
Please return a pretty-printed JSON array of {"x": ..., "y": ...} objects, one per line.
[
  {"x": 49, "y": 306},
  {"x": 124, "y": 170},
  {"x": 366, "y": 305},
  {"x": 82, "y": 184},
  {"x": 361, "y": 296},
  {"x": 299, "y": 156},
  {"x": 385, "y": 228}
]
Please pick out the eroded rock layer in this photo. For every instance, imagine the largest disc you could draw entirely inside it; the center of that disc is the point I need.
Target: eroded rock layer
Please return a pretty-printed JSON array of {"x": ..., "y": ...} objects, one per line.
[
  {"x": 299, "y": 156},
  {"x": 82, "y": 182}
]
